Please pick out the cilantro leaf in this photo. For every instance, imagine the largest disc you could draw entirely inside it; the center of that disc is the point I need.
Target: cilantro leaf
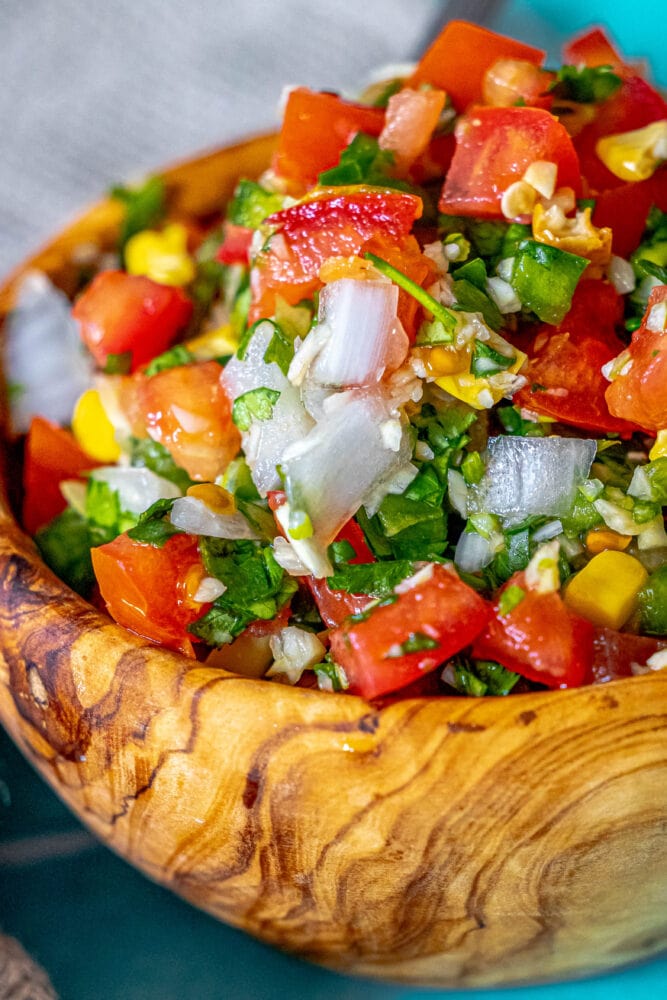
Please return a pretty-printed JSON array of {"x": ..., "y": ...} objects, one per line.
[
  {"x": 376, "y": 579},
  {"x": 149, "y": 454},
  {"x": 251, "y": 204},
  {"x": 363, "y": 162},
  {"x": 145, "y": 205},
  {"x": 585, "y": 84},
  {"x": 153, "y": 526},
  {"x": 64, "y": 544},
  {"x": 173, "y": 358}
]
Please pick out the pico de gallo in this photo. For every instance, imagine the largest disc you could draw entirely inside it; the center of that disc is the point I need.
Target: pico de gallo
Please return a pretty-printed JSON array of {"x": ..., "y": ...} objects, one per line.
[{"x": 396, "y": 420}]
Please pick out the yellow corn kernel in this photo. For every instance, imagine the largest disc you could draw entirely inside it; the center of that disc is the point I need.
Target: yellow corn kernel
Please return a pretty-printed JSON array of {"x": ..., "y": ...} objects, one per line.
[
  {"x": 161, "y": 256},
  {"x": 659, "y": 449},
  {"x": 482, "y": 392},
  {"x": 599, "y": 539},
  {"x": 518, "y": 200},
  {"x": 443, "y": 360},
  {"x": 577, "y": 235},
  {"x": 192, "y": 582},
  {"x": 93, "y": 429},
  {"x": 542, "y": 174},
  {"x": 217, "y": 499},
  {"x": 214, "y": 343},
  {"x": 605, "y": 590},
  {"x": 634, "y": 156}
]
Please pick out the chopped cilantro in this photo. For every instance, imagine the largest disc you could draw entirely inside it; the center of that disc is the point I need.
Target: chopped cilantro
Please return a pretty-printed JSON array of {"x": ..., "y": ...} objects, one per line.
[
  {"x": 477, "y": 678},
  {"x": 64, "y": 544},
  {"x": 103, "y": 512},
  {"x": 470, "y": 298},
  {"x": 144, "y": 207},
  {"x": 448, "y": 318},
  {"x": 363, "y": 162},
  {"x": 514, "y": 424},
  {"x": 585, "y": 84},
  {"x": 173, "y": 358},
  {"x": 118, "y": 364},
  {"x": 330, "y": 676},
  {"x": 153, "y": 526},
  {"x": 377, "y": 579},
  {"x": 252, "y": 203},
  {"x": 487, "y": 361}
]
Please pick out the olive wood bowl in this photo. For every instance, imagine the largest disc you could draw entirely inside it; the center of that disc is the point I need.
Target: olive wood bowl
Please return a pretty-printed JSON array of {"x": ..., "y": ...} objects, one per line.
[{"x": 443, "y": 841}]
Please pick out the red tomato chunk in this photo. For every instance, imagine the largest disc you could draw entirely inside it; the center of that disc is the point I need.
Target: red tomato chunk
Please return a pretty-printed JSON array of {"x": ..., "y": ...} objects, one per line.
[{"x": 439, "y": 611}]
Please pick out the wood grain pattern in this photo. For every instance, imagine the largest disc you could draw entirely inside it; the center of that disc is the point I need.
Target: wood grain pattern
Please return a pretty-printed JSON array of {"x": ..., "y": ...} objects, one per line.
[{"x": 450, "y": 841}]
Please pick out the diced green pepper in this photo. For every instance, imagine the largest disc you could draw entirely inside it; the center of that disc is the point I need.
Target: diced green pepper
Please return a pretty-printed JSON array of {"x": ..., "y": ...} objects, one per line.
[
  {"x": 544, "y": 278},
  {"x": 653, "y": 603}
]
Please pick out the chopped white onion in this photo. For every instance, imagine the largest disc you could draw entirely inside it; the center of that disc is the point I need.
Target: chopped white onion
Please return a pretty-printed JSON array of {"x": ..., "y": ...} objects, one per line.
[
  {"x": 531, "y": 476},
  {"x": 192, "y": 515},
  {"x": 473, "y": 552},
  {"x": 458, "y": 492},
  {"x": 654, "y": 536},
  {"x": 294, "y": 650},
  {"x": 44, "y": 357},
  {"x": 503, "y": 295},
  {"x": 209, "y": 590},
  {"x": 618, "y": 518},
  {"x": 310, "y": 552},
  {"x": 621, "y": 274},
  {"x": 549, "y": 530},
  {"x": 343, "y": 461},
  {"x": 287, "y": 558},
  {"x": 640, "y": 485},
  {"x": 358, "y": 338},
  {"x": 266, "y": 440},
  {"x": 137, "y": 489}
]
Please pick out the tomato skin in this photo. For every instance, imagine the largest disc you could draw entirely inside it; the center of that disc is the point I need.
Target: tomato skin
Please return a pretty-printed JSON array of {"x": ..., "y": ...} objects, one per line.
[
  {"x": 235, "y": 246},
  {"x": 335, "y": 606},
  {"x": 187, "y": 410},
  {"x": 316, "y": 129},
  {"x": 336, "y": 222},
  {"x": 121, "y": 313},
  {"x": 539, "y": 639},
  {"x": 441, "y": 607},
  {"x": 459, "y": 57},
  {"x": 51, "y": 455},
  {"x": 640, "y": 395},
  {"x": 565, "y": 381},
  {"x": 615, "y": 652},
  {"x": 145, "y": 587},
  {"x": 494, "y": 147},
  {"x": 593, "y": 48}
]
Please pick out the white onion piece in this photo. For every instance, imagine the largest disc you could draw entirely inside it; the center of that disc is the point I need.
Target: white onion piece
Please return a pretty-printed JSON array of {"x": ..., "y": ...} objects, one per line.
[
  {"x": 294, "y": 650},
  {"x": 44, "y": 356},
  {"x": 286, "y": 556},
  {"x": 397, "y": 484},
  {"x": 266, "y": 440},
  {"x": 473, "y": 552},
  {"x": 191, "y": 514},
  {"x": 137, "y": 489},
  {"x": 640, "y": 485},
  {"x": 655, "y": 536},
  {"x": 309, "y": 551},
  {"x": 365, "y": 340},
  {"x": 343, "y": 461},
  {"x": 209, "y": 589},
  {"x": 621, "y": 274},
  {"x": 531, "y": 476},
  {"x": 548, "y": 531}
]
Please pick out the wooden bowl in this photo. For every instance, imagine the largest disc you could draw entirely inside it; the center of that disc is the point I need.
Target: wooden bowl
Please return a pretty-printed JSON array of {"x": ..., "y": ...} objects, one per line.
[{"x": 448, "y": 841}]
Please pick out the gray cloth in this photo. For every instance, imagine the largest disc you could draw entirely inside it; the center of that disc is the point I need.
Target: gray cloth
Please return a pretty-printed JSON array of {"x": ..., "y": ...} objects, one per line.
[{"x": 94, "y": 92}]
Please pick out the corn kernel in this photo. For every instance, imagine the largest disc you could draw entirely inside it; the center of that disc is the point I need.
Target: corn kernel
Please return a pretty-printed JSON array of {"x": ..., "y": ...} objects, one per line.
[
  {"x": 659, "y": 449},
  {"x": 599, "y": 539},
  {"x": 634, "y": 156},
  {"x": 541, "y": 174},
  {"x": 161, "y": 256},
  {"x": 444, "y": 360},
  {"x": 518, "y": 200},
  {"x": 214, "y": 343},
  {"x": 217, "y": 499},
  {"x": 93, "y": 429},
  {"x": 605, "y": 590}
]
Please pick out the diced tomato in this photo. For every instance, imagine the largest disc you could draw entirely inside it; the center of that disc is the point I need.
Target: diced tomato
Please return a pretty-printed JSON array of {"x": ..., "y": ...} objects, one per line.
[
  {"x": 51, "y": 455},
  {"x": 640, "y": 393},
  {"x": 624, "y": 209},
  {"x": 635, "y": 104},
  {"x": 147, "y": 589},
  {"x": 565, "y": 381},
  {"x": 335, "y": 606},
  {"x": 615, "y": 652},
  {"x": 336, "y": 222},
  {"x": 316, "y": 129},
  {"x": 494, "y": 147},
  {"x": 187, "y": 410},
  {"x": 121, "y": 313},
  {"x": 539, "y": 639},
  {"x": 593, "y": 48},
  {"x": 235, "y": 246},
  {"x": 440, "y": 611},
  {"x": 411, "y": 117},
  {"x": 459, "y": 57}
]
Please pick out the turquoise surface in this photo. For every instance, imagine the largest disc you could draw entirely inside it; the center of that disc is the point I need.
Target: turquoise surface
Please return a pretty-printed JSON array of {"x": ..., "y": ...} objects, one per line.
[{"x": 103, "y": 930}]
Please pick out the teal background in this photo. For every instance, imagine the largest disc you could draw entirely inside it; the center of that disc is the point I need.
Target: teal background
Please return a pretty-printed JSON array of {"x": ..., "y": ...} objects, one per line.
[{"x": 104, "y": 931}]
